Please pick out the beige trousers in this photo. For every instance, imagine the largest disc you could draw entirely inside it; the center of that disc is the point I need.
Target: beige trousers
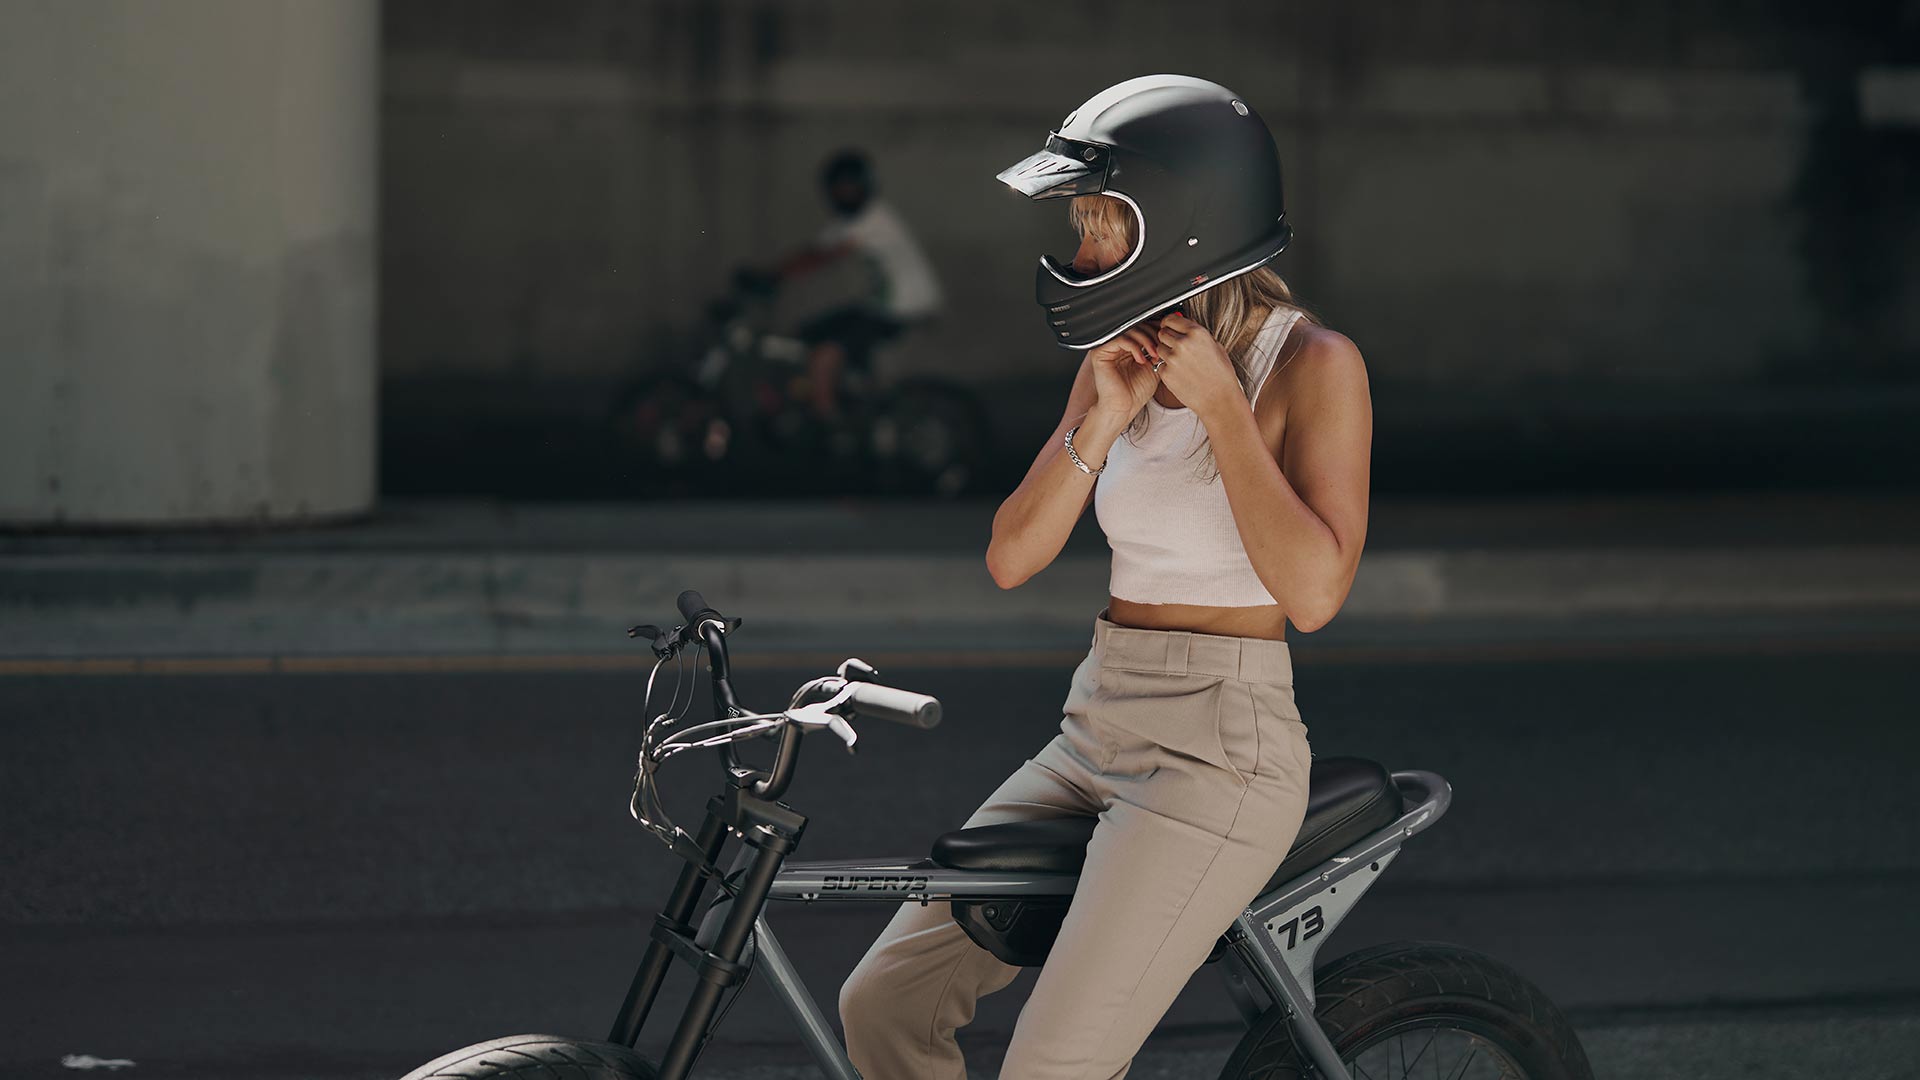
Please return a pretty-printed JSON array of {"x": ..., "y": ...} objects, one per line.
[{"x": 1190, "y": 751}]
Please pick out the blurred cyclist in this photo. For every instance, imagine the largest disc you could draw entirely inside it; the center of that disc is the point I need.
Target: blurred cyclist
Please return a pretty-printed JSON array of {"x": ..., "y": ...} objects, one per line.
[{"x": 904, "y": 289}]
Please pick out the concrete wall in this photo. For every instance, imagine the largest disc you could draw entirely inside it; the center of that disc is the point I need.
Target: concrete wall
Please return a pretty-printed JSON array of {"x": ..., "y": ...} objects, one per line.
[
  {"x": 186, "y": 259},
  {"x": 1489, "y": 194}
]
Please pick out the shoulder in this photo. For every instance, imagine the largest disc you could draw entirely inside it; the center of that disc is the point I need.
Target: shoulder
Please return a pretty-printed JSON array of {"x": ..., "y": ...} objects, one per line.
[
  {"x": 1319, "y": 367},
  {"x": 878, "y": 217},
  {"x": 1326, "y": 357},
  {"x": 860, "y": 223}
]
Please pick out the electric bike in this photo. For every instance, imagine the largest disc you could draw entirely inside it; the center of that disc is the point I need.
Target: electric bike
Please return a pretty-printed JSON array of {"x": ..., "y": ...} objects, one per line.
[{"x": 1401, "y": 1009}]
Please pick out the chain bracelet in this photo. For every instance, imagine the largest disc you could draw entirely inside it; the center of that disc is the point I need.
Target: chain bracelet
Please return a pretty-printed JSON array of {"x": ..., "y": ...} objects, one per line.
[{"x": 1073, "y": 454}]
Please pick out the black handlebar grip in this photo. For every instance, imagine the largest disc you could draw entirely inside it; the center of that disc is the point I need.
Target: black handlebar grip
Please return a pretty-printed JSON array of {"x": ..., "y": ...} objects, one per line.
[
  {"x": 875, "y": 702},
  {"x": 693, "y": 606}
]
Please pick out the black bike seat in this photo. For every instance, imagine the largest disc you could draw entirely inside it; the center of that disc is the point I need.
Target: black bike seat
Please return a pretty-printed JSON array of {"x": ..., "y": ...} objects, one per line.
[{"x": 1348, "y": 798}]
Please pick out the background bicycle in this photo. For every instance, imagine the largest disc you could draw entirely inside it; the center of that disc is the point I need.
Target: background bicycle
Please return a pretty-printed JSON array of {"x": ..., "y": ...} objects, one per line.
[{"x": 739, "y": 409}]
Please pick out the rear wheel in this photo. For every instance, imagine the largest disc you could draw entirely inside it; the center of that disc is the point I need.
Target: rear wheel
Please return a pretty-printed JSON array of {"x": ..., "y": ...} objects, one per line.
[
  {"x": 538, "y": 1057},
  {"x": 1421, "y": 1008}
]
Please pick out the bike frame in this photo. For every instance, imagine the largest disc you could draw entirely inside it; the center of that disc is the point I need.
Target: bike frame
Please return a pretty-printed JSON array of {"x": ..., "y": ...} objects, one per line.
[{"x": 1270, "y": 947}]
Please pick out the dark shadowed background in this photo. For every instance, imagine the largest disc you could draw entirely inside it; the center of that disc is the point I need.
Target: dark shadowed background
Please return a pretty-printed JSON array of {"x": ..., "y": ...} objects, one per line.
[{"x": 1581, "y": 245}]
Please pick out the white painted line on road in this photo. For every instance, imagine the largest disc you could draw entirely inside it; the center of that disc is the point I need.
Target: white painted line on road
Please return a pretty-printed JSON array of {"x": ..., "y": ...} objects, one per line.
[{"x": 88, "y": 1061}]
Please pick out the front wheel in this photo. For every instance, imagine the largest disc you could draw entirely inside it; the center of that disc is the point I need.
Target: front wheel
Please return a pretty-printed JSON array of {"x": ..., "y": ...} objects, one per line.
[
  {"x": 1421, "y": 1008},
  {"x": 666, "y": 424},
  {"x": 538, "y": 1057},
  {"x": 929, "y": 438}
]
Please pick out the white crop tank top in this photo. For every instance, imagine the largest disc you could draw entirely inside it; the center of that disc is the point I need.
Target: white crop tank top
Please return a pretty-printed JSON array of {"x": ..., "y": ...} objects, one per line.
[{"x": 1170, "y": 528}]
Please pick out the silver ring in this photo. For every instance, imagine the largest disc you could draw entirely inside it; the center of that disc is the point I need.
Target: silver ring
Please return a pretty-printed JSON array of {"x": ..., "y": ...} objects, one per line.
[{"x": 1156, "y": 366}]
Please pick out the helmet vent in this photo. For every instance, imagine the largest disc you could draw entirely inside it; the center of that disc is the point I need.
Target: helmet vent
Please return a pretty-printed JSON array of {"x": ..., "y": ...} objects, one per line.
[{"x": 1240, "y": 107}]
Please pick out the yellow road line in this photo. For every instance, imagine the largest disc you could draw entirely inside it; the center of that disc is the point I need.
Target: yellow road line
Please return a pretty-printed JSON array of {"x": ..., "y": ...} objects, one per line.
[{"x": 1307, "y": 656}]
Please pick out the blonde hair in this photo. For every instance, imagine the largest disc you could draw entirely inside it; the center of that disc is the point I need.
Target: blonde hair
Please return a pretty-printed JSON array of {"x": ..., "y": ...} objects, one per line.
[{"x": 1233, "y": 311}]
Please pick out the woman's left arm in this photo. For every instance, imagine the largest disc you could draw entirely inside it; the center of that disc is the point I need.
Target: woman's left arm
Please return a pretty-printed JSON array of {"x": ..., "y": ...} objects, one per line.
[{"x": 1303, "y": 527}]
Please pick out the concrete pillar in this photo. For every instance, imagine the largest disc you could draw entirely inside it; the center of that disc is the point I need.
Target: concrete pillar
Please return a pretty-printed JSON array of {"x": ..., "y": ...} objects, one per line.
[{"x": 186, "y": 260}]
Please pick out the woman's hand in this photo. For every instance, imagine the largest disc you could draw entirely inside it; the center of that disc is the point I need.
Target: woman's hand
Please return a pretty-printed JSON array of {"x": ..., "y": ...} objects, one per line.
[
  {"x": 1197, "y": 368},
  {"x": 1123, "y": 375}
]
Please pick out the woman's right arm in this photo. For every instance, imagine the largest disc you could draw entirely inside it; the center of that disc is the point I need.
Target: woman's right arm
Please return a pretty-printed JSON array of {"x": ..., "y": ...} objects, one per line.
[{"x": 1033, "y": 524}]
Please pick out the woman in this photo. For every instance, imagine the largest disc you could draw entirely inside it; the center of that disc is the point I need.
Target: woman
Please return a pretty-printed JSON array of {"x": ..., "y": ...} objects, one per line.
[{"x": 1223, "y": 437}]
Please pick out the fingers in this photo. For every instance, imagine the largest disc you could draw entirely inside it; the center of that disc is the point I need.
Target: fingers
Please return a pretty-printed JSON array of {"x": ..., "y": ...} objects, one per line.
[
  {"x": 1135, "y": 344},
  {"x": 1148, "y": 346},
  {"x": 1138, "y": 342},
  {"x": 1119, "y": 350},
  {"x": 1175, "y": 325}
]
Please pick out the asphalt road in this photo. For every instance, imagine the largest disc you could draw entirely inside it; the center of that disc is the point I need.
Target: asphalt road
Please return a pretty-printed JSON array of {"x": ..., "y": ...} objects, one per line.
[{"x": 1709, "y": 861}]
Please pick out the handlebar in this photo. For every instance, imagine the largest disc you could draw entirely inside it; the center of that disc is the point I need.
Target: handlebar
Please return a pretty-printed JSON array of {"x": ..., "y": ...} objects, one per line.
[
  {"x": 871, "y": 701},
  {"x": 694, "y": 607},
  {"x": 866, "y": 699}
]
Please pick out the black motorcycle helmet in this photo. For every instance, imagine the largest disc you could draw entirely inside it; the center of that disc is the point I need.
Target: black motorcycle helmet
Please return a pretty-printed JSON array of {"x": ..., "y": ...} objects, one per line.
[
  {"x": 847, "y": 180},
  {"x": 1199, "y": 169}
]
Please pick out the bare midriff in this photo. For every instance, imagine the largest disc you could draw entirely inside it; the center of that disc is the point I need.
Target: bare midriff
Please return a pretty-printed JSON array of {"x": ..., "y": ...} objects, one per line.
[{"x": 1267, "y": 621}]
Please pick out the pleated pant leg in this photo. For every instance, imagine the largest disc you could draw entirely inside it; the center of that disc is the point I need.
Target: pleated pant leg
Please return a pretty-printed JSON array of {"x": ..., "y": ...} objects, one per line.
[{"x": 1190, "y": 752}]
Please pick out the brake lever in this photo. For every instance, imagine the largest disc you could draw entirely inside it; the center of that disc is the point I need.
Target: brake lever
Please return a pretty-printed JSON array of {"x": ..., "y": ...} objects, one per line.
[
  {"x": 821, "y": 714},
  {"x": 854, "y": 669},
  {"x": 667, "y": 642}
]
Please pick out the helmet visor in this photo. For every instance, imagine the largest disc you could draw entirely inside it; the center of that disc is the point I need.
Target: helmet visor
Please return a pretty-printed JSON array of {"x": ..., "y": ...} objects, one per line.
[{"x": 1066, "y": 167}]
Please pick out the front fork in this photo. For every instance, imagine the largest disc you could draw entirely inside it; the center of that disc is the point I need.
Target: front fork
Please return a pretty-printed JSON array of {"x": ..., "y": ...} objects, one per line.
[{"x": 769, "y": 830}]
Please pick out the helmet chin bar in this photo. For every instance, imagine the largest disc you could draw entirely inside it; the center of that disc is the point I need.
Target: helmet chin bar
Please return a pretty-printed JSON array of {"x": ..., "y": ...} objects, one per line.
[
  {"x": 1063, "y": 310},
  {"x": 1067, "y": 277}
]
